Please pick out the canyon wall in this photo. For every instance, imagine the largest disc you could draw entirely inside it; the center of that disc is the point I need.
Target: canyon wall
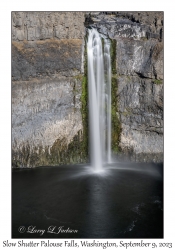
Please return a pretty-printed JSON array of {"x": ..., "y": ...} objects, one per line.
[
  {"x": 47, "y": 49},
  {"x": 139, "y": 74},
  {"x": 49, "y": 92}
]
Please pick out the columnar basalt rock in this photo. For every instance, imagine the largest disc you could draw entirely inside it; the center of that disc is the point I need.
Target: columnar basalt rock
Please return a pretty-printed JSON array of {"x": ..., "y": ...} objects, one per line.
[
  {"x": 47, "y": 50},
  {"x": 33, "y": 26},
  {"x": 139, "y": 73}
]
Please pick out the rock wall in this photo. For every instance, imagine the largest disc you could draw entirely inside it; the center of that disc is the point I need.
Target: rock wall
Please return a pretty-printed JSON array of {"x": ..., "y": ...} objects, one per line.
[
  {"x": 49, "y": 106},
  {"x": 139, "y": 73},
  {"x": 47, "y": 49}
]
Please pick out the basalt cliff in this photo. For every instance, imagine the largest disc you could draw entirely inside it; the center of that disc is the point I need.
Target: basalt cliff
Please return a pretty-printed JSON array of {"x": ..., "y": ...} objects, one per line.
[{"x": 49, "y": 85}]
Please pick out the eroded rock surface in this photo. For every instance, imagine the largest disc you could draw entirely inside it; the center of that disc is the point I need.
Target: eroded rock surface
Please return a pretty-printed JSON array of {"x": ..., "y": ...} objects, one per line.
[
  {"x": 35, "y": 25},
  {"x": 47, "y": 50},
  {"x": 139, "y": 69}
]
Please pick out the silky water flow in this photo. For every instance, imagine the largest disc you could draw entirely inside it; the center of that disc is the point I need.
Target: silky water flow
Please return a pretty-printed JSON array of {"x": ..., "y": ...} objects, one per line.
[{"x": 99, "y": 87}]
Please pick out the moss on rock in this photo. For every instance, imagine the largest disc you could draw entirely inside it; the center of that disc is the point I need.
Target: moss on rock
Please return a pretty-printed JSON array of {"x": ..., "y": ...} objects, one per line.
[
  {"x": 157, "y": 81},
  {"x": 115, "y": 121},
  {"x": 84, "y": 107}
]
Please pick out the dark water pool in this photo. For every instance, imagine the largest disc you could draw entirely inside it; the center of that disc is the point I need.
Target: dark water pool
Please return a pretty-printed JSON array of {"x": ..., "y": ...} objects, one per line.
[{"x": 126, "y": 201}]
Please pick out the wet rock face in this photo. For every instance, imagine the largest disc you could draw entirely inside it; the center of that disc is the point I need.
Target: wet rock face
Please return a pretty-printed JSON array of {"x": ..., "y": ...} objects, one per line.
[{"x": 139, "y": 68}]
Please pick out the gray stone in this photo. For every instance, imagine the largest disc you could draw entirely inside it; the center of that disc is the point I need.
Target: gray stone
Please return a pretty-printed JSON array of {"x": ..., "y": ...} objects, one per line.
[
  {"x": 46, "y": 88},
  {"x": 128, "y": 24},
  {"x": 46, "y": 58},
  {"x": 141, "y": 114},
  {"x": 44, "y": 111},
  {"x": 46, "y": 25}
]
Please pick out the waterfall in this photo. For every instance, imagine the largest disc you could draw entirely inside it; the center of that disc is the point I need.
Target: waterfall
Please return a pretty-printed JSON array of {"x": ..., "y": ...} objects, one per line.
[{"x": 99, "y": 89}]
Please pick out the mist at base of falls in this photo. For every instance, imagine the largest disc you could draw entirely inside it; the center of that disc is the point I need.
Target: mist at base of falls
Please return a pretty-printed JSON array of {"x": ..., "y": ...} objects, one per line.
[
  {"x": 122, "y": 201},
  {"x": 99, "y": 92}
]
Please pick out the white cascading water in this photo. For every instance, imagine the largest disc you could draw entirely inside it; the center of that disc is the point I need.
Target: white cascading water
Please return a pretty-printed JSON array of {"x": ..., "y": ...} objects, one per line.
[{"x": 99, "y": 87}]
